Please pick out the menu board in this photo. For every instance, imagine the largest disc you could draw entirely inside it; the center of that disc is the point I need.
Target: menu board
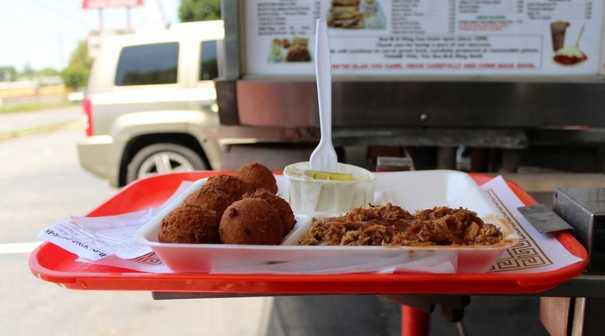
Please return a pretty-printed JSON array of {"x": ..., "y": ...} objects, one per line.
[{"x": 427, "y": 37}]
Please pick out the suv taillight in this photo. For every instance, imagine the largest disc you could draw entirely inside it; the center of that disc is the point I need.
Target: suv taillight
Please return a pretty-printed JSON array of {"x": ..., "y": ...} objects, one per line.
[{"x": 87, "y": 107}]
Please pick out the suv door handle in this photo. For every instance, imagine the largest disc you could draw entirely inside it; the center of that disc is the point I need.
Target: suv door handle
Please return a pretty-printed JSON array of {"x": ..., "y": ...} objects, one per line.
[{"x": 210, "y": 107}]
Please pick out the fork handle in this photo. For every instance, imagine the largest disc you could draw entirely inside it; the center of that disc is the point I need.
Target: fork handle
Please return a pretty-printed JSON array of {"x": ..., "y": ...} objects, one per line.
[{"x": 324, "y": 80}]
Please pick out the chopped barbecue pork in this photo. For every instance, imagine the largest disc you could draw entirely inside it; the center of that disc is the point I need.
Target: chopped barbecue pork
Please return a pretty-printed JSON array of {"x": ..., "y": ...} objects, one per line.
[{"x": 390, "y": 225}]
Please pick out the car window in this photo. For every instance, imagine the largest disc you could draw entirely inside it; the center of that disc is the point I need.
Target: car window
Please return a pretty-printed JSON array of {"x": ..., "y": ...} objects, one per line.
[
  {"x": 148, "y": 64},
  {"x": 208, "y": 61}
]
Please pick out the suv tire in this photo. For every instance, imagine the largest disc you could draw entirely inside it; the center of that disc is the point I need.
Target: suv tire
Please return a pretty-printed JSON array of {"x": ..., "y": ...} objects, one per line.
[{"x": 174, "y": 155}]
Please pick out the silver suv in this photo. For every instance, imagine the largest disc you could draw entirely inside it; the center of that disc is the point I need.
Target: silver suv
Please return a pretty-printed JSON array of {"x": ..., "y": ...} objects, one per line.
[{"x": 151, "y": 103}]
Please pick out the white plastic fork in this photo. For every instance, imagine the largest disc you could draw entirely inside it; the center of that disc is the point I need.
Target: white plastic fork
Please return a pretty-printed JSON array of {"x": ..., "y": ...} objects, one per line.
[{"x": 324, "y": 156}]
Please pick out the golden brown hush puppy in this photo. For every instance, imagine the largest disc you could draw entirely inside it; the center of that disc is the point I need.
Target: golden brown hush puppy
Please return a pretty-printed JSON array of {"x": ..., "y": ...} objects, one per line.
[
  {"x": 231, "y": 185},
  {"x": 258, "y": 176},
  {"x": 251, "y": 221},
  {"x": 211, "y": 199},
  {"x": 279, "y": 204},
  {"x": 190, "y": 225}
]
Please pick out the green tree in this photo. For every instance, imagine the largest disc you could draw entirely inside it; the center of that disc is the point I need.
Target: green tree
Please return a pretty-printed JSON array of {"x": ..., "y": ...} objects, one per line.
[
  {"x": 75, "y": 75},
  {"x": 199, "y": 10},
  {"x": 8, "y": 73}
]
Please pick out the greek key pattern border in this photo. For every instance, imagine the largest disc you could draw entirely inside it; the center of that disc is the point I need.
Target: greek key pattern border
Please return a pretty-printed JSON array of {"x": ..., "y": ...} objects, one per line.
[{"x": 526, "y": 254}]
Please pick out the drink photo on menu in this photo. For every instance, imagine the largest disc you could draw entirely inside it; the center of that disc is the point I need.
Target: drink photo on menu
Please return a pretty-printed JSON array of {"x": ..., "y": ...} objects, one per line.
[{"x": 566, "y": 55}]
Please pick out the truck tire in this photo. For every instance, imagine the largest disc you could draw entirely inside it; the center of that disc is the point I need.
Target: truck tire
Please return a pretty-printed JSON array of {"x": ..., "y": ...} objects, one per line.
[{"x": 162, "y": 158}]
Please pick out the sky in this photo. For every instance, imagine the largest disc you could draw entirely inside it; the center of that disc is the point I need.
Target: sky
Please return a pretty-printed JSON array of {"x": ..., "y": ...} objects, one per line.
[{"x": 43, "y": 33}]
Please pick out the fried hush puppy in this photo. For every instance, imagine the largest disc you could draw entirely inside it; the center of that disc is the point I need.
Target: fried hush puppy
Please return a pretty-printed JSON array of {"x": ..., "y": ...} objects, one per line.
[
  {"x": 211, "y": 199},
  {"x": 218, "y": 193},
  {"x": 251, "y": 221},
  {"x": 190, "y": 225},
  {"x": 258, "y": 176},
  {"x": 279, "y": 204},
  {"x": 217, "y": 212},
  {"x": 232, "y": 185}
]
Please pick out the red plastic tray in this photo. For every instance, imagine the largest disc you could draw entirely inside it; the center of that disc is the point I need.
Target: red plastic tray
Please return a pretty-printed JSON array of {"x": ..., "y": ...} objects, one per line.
[{"x": 51, "y": 263}]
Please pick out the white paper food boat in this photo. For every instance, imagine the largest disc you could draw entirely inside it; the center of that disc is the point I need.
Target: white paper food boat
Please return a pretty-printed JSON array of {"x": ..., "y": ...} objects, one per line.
[{"x": 411, "y": 190}]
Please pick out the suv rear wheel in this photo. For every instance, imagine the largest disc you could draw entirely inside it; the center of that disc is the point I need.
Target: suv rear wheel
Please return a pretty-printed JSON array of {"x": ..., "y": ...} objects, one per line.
[{"x": 163, "y": 158}]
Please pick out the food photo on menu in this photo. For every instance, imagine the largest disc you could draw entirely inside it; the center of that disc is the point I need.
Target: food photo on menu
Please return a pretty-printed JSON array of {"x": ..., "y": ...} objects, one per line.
[
  {"x": 566, "y": 55},
  {"x": 293, "y": 50},
  {"x": 357, "y": 14}
]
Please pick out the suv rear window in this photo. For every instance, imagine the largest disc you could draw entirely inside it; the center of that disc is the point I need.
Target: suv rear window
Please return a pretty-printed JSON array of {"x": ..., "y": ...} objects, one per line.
[
  {"x": 148, "y": 64},
  {"x": 208, "y": 61}
]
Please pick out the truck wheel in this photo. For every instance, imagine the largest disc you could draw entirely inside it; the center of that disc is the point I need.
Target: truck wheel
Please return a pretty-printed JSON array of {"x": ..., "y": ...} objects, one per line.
[{"x": 163, "y": 158}]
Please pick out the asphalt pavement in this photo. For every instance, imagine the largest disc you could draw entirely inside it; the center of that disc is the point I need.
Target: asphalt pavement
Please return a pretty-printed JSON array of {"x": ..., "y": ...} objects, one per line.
[{"x": 41, "y": 182}]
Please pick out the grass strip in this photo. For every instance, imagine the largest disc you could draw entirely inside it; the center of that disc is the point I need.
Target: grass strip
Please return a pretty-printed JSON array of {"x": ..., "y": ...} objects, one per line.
[
  {"x": 4, "y": 136},
  {"x": 32, "y": 107}
]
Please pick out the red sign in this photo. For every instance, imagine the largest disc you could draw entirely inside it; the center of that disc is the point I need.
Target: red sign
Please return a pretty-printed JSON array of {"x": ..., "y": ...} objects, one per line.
[{"x": 97, "y": 4}]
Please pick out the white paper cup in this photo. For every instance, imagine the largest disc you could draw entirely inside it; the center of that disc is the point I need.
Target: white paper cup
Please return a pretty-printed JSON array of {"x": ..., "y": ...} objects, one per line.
[{"x": 313, "y": 197}]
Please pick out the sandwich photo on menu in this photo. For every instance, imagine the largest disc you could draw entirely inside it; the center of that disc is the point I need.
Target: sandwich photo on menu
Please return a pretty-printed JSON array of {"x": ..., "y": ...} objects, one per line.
[
  {"x": 356, "y": 14},
  {"x": 346, "y": 17}
]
